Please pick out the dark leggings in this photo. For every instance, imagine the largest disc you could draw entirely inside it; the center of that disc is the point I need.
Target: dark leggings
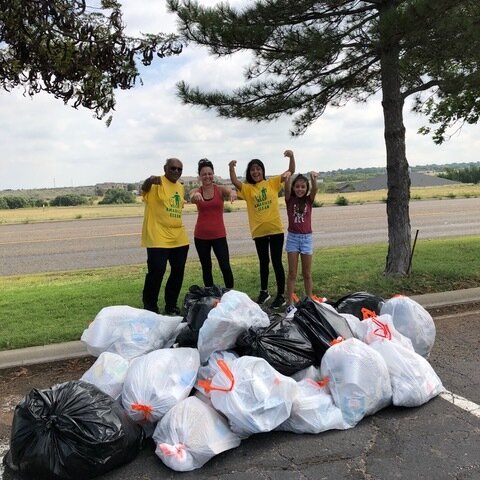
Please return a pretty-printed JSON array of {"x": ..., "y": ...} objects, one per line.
[
  {"x": 275, "y": 242},
  {"x": 157, "y": 264},
  {"x": 220, "y": 249}
]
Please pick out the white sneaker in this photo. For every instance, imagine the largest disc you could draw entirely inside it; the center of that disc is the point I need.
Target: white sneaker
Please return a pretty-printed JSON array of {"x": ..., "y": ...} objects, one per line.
[{"x": 290, "y": 311}]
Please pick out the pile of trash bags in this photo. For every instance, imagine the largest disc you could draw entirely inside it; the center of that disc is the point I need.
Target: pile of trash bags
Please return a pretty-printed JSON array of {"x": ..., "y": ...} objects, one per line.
[{"x": 198, "y": 385}]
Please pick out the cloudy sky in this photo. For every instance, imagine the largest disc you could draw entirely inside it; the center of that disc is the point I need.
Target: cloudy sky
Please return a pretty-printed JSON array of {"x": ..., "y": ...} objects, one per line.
[{"x": 45, "y": 143}]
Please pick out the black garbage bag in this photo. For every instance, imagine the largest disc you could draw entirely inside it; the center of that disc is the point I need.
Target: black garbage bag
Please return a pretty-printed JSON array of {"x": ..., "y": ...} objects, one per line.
[
  {"x": 71, "y": 431},
  {"x": 187, "y": 337},
  {"x": 359, "y": 302},
  {"x": 281, "y": 344},
  {"x": 327, "y": 316},
  {"x": 198, "y": 302},
  {"x": 321, "y": 325}
]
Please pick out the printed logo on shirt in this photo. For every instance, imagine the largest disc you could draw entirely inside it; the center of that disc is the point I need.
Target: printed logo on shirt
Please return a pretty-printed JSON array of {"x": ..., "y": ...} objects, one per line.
[
  {"x": 262, "y": 203},
  {"x": 299, "y": 217},
  {"x": 175, "y": 209}
]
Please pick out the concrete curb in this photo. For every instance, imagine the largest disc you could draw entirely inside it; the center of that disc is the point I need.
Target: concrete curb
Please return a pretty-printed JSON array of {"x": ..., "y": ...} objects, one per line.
[{"x": 77, "y": 349}]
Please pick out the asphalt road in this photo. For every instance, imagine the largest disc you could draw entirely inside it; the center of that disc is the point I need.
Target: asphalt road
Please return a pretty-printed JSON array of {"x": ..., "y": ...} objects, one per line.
[
  {"x": 78, "y": 244},
  {"x": 438, "y": 440}
]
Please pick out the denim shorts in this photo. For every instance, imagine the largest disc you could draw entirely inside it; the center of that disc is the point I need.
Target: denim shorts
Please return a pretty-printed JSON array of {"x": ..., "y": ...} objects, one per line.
[{"x": 299, "y": 243}]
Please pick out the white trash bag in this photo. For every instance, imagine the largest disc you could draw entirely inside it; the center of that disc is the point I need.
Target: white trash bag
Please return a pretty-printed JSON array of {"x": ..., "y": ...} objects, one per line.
[
  {"x": 414, "y": 381},
  {"x": 252, "y": 395},
  {"x": 157, "y": 381},
  {"x": 375, "y": 328},
  {"x": 190, "y": 434},
  {"x": 208, "y": 371},
  {"x": 108, "y": 373},
  {"x": 234, "y": 314},
  {"x": 313, "y": 410},
  {"x": 129, "y": 331},
  {"x": 413, "y": 321},
  {"x": 312, "y": 372},
  {"x": 358, "y": 379}
]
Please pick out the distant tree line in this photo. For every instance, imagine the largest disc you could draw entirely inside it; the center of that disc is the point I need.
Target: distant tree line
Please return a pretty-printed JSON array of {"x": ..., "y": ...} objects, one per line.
[
  {"x": 112, "y": 196},
  {"x": 465, "y": 175}
]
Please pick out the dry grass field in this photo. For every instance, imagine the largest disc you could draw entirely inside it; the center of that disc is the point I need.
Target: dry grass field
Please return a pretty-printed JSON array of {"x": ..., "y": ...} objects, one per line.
[{"x": 46, "y": 214}]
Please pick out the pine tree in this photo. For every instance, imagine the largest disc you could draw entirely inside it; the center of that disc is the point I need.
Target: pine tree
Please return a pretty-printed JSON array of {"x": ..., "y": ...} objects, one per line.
[
  {"x": 76, "y": 52},
  {"x": 309, "y": 54}
]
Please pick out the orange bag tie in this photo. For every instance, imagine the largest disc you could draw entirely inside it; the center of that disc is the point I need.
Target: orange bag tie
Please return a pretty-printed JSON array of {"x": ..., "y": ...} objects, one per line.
[
  {"x": 336, "y": 341},
  {"x": 145, "y": 409},
  {"x": 366, "y": 313},
  {"x": 207, "y": 384},
  {"x": 323, "y": 382},
  {"x": 318, "y": 383}
]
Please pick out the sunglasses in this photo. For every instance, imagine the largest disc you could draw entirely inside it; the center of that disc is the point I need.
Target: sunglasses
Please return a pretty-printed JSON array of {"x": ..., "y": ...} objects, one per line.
[
  {"x": 176, "y": 169},
  {"x": 204, "y": 161}
]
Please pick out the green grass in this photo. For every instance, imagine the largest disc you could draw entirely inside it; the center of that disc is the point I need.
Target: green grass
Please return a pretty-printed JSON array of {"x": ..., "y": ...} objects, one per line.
[{"x": 49, "y": 308}]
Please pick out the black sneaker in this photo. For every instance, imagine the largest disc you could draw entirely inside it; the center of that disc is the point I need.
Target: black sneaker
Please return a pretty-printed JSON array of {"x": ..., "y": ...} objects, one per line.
[
  {"x": 279, "y": 302},
  {"x": 172, "y": 311},
  {"x": 263, "y": 297}
]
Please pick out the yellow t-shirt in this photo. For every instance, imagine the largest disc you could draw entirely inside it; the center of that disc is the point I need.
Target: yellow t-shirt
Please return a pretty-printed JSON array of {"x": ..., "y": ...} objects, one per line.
[
  {"x": 262, "y": 206},
  {"x": 162, "y": 221}
]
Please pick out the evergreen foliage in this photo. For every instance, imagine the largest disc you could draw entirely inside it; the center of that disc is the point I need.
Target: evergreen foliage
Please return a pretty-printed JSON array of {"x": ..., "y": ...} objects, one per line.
[
  {"x": 465, "y": 175},
  {"x": 77, "y": 52}
]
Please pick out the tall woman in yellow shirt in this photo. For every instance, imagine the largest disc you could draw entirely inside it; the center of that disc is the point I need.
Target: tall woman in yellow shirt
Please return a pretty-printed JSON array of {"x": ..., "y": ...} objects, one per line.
[{"x": 261, "y": 196}]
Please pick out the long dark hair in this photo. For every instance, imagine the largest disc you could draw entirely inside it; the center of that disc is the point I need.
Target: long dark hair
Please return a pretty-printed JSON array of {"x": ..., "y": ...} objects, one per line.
[
  {"x": 248, "y": 175},
  {"x": 301, "y": 201}
]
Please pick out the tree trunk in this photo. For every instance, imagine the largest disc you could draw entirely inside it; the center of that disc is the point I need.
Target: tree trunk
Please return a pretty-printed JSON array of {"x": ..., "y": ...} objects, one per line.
[{"x": 398, "y": 178}]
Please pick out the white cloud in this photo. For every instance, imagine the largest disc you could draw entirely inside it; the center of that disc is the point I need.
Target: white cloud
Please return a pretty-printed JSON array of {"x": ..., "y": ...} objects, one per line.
[{"x": 45, "y": 142}]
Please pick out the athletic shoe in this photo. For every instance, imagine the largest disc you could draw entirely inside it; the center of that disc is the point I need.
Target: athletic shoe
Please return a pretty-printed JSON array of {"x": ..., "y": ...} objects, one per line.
[
  {"x": 290, "y": 311},
  {"x": 172, "y": 311},
  {"x": 263, "y": 297},
  {"x": 318, "y": 299},
  {"x": 295, "y": 298},
  {"x": 279, "y": 302}
]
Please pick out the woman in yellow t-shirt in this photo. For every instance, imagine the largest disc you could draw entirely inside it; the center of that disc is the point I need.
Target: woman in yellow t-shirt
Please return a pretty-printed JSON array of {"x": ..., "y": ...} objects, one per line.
[{"x": 261, "y": 196}]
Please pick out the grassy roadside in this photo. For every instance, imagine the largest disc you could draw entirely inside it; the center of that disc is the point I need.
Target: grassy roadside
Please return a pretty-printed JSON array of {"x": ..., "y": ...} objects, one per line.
[
  {"x": 48, "y": 214},
  {"x": 55, "y": 307}
]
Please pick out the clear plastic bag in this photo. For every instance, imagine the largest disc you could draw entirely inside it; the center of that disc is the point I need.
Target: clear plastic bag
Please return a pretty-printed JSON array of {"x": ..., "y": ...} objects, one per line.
[
  {"x": 108, "y": 373},
  {"x": 233, "y": 315},
  {"x": 413, "y": 321},
  {"x": 190, "y": 434},
  {"x": 359, "y": 379},
  {"x": 414, "y": 382},
  {"x": 377, "y": 328},
  {"x": 157, "y": 381},
  {"x": 208, "y": 371},
  {"x": 313, "y": 410},
  {"x": 252, "y": 395},
  {"x": 129, "y": 331}
]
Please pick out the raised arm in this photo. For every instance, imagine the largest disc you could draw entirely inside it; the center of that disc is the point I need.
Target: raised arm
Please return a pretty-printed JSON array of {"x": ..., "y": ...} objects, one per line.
[
  {"x": 288, "y": 184},
  {"x": 314, "y": 189},
  {"x": 152, "y": 180},
  {"x": 233, "y": 176},
  {"x": 291, "y": 163}
]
